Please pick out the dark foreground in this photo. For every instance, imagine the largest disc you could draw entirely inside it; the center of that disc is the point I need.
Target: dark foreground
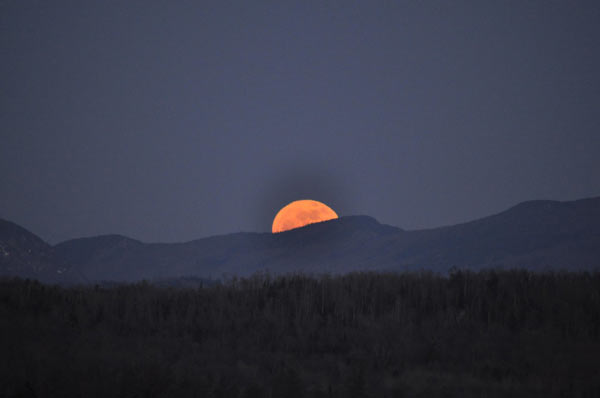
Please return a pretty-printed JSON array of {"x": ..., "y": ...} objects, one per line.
[{"x": 361, "y": 335}]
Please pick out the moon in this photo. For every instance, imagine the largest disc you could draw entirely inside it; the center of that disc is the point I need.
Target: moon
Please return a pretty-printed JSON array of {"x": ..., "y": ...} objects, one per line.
[{"x": 300, "y": 213}]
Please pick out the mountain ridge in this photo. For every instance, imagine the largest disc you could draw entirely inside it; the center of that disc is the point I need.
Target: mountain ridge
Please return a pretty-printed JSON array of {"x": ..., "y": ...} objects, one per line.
[
  {"x": 25, "y": 254},
  {"x": 536, "y": 235}
]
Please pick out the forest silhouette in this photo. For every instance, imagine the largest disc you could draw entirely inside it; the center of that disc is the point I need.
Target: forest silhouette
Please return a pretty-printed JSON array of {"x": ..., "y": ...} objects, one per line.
[{"x": 490, "y": 333}]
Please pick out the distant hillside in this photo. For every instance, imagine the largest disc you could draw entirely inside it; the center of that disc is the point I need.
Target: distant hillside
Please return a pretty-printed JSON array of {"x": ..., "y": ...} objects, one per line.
[
  {"x": 24, "y": 254},
  {"x": 535, "y": 235}
]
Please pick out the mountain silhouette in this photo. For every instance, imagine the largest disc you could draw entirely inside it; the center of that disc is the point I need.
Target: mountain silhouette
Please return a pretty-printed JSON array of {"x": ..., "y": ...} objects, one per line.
[
  {"x": 26, "y": 255},
  {"x": 536, "y": 235}
]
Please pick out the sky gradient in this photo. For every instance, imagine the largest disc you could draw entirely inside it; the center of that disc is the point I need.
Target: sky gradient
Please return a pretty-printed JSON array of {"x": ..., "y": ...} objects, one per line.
[{"x": 171, "y": 121}]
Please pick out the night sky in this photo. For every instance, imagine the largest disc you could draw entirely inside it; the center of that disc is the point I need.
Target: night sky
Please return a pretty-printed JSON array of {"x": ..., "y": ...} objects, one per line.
[{"x": 175, "y": 120}]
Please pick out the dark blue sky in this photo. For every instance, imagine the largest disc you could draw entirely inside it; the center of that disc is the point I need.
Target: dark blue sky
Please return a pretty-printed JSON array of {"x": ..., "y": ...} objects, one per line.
[{"x": 170, "y": 121}]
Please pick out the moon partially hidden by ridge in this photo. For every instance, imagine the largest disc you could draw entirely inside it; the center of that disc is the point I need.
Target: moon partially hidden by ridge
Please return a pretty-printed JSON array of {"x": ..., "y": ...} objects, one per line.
[{"x": 300, "y": 213}]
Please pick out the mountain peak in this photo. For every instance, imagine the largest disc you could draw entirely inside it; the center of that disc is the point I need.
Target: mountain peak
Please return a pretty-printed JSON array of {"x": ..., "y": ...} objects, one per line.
[
  {"x": 542, "y": 204},
  {"x": 24, "y": 253},
  {"x": 108, "y": 240},
  {"x": 343, "y": 225}
]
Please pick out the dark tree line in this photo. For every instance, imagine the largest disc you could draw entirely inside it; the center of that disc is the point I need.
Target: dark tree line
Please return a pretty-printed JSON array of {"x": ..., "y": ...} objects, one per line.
[{"x": 493, "y": 334}]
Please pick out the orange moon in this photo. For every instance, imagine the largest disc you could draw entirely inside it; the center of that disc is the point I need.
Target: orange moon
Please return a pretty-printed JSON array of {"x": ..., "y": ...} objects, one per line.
[{"x": 300, "y": 213}]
